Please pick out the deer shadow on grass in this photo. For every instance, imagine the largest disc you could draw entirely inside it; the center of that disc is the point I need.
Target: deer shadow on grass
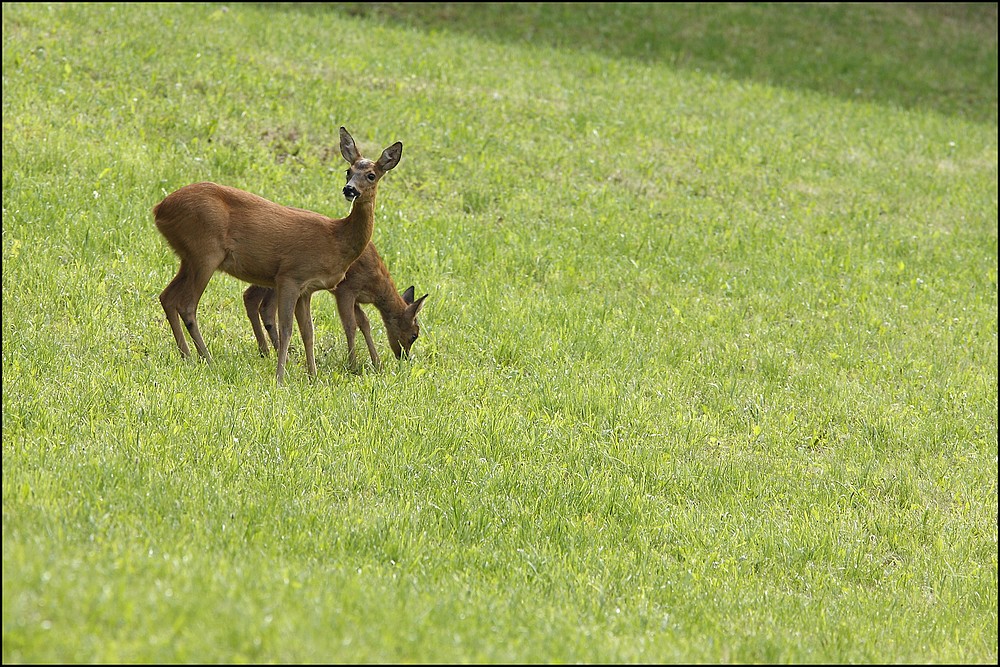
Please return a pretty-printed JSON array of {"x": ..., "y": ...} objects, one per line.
[{"x": 934, "y": 56}]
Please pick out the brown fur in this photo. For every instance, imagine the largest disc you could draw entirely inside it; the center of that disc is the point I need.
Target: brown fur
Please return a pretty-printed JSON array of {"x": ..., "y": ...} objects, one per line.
[
  {"x": 366, "y": 281},
  {"x": 218, "y": 228}
]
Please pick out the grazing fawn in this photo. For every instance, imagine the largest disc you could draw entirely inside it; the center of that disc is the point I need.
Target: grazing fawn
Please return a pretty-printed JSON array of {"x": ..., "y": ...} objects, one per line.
[
  {"x": 367, "y": 281},
  {"x": 296, "y": 252}
]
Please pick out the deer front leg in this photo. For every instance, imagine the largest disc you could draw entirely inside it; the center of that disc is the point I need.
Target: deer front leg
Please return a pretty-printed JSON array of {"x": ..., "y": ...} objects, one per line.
[
  {"x": 286, "y": 294},
  {"x": 303, "y": 315},
  {"x": 345, "y": 308},
  {"x": 269, "y": 314},
  {"x": 366, "y": 329}
]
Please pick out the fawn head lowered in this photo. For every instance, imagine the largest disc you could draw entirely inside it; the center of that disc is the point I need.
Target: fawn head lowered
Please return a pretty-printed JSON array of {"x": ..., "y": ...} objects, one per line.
[
  {"x": 363, "y": 174},
  {"x": 402, "y": 327}
]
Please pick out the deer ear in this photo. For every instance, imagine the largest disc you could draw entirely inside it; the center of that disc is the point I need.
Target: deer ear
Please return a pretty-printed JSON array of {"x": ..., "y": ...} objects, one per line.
[
  {"x": 390, "y": 156},
  {"x": 408, "y": 295},
  {"x": 347, "y": 147},
  {"x": 415, "y": 307}
]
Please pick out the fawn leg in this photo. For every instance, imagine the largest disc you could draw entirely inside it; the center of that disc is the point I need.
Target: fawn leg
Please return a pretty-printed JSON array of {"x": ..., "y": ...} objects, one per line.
[
  {"x": 345, "y": 308},
  {"x": 253, "y": 296},
  {"x": 269, "y": 313},
  {"x": 366, "y": 330}
]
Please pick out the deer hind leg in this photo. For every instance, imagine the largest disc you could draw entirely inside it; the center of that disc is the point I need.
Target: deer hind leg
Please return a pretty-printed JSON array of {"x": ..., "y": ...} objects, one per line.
[
  {"x": 180, "y": 303},
  {"x": 366, "y": 329},
  {"x": 303, "y": 315},
  {"x": 188, "y": 309},
  {"x": 169, "y": 299},
  {"x": 253, "y": 298}
]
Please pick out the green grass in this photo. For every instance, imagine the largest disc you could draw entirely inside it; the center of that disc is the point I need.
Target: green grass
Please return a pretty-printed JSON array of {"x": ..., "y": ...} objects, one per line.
[
  {"x": 933, "y": 56},
  {"x": 707, "y": 372}
]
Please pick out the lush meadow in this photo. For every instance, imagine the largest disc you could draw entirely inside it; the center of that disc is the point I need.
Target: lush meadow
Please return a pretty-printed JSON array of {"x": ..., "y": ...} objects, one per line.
[{"x": 708, "y": 369}]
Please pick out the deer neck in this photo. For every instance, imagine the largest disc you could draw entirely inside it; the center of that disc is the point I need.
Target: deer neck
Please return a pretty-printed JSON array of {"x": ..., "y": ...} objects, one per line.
[
  {"x": 390, "y": 306},
  {"x": 385, "y": 297},
  {"x": 360, "y": 222}
]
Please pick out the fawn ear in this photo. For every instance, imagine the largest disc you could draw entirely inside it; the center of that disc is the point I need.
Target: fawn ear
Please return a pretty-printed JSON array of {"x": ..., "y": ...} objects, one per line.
[
  {"x": 415, "y": 307},
  {"x": 390, "y": 156},
  {"x": 408, "y": 295},
  {"x": 347, "y": 147}
]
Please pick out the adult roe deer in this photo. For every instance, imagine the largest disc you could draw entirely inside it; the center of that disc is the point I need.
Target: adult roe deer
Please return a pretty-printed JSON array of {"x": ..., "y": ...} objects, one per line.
[
  {"x": 367, "y": 281},
  {"x": 218, "y": 228}
]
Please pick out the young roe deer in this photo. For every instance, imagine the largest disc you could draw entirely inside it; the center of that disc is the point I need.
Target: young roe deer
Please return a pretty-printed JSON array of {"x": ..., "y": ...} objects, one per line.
[
  {"x": 296, "y": 252},
  {"x": 366, "y": 281}
]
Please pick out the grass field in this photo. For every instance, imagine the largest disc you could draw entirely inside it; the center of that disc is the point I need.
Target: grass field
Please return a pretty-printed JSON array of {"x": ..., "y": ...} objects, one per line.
[{"x": 707, "y": 373}]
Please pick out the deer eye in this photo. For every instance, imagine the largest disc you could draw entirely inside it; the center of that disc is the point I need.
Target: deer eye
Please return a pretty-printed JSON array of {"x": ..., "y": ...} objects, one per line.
[
  {"x": 371, "y": 177},
  {"x": 413, "y": 339}
]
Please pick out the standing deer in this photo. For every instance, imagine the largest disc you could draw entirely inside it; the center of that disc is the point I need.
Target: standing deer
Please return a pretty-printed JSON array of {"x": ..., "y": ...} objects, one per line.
[
  {"x": 366, "y": 281},
  {"x": 296, "y": 252}
]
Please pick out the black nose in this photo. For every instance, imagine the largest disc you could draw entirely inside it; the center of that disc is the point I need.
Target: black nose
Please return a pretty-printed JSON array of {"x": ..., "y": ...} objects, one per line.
[{"x": 351, "y": 192}]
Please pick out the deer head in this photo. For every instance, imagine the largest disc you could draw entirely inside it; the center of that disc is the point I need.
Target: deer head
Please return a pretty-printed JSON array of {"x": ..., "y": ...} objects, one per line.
[
  {"x": 402, "y": 327},
  {"x": 363, "y": 175}
]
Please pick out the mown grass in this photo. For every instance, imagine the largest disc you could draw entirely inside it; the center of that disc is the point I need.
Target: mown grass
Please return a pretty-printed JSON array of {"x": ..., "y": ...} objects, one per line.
[{"x": 707, "y": 373}]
